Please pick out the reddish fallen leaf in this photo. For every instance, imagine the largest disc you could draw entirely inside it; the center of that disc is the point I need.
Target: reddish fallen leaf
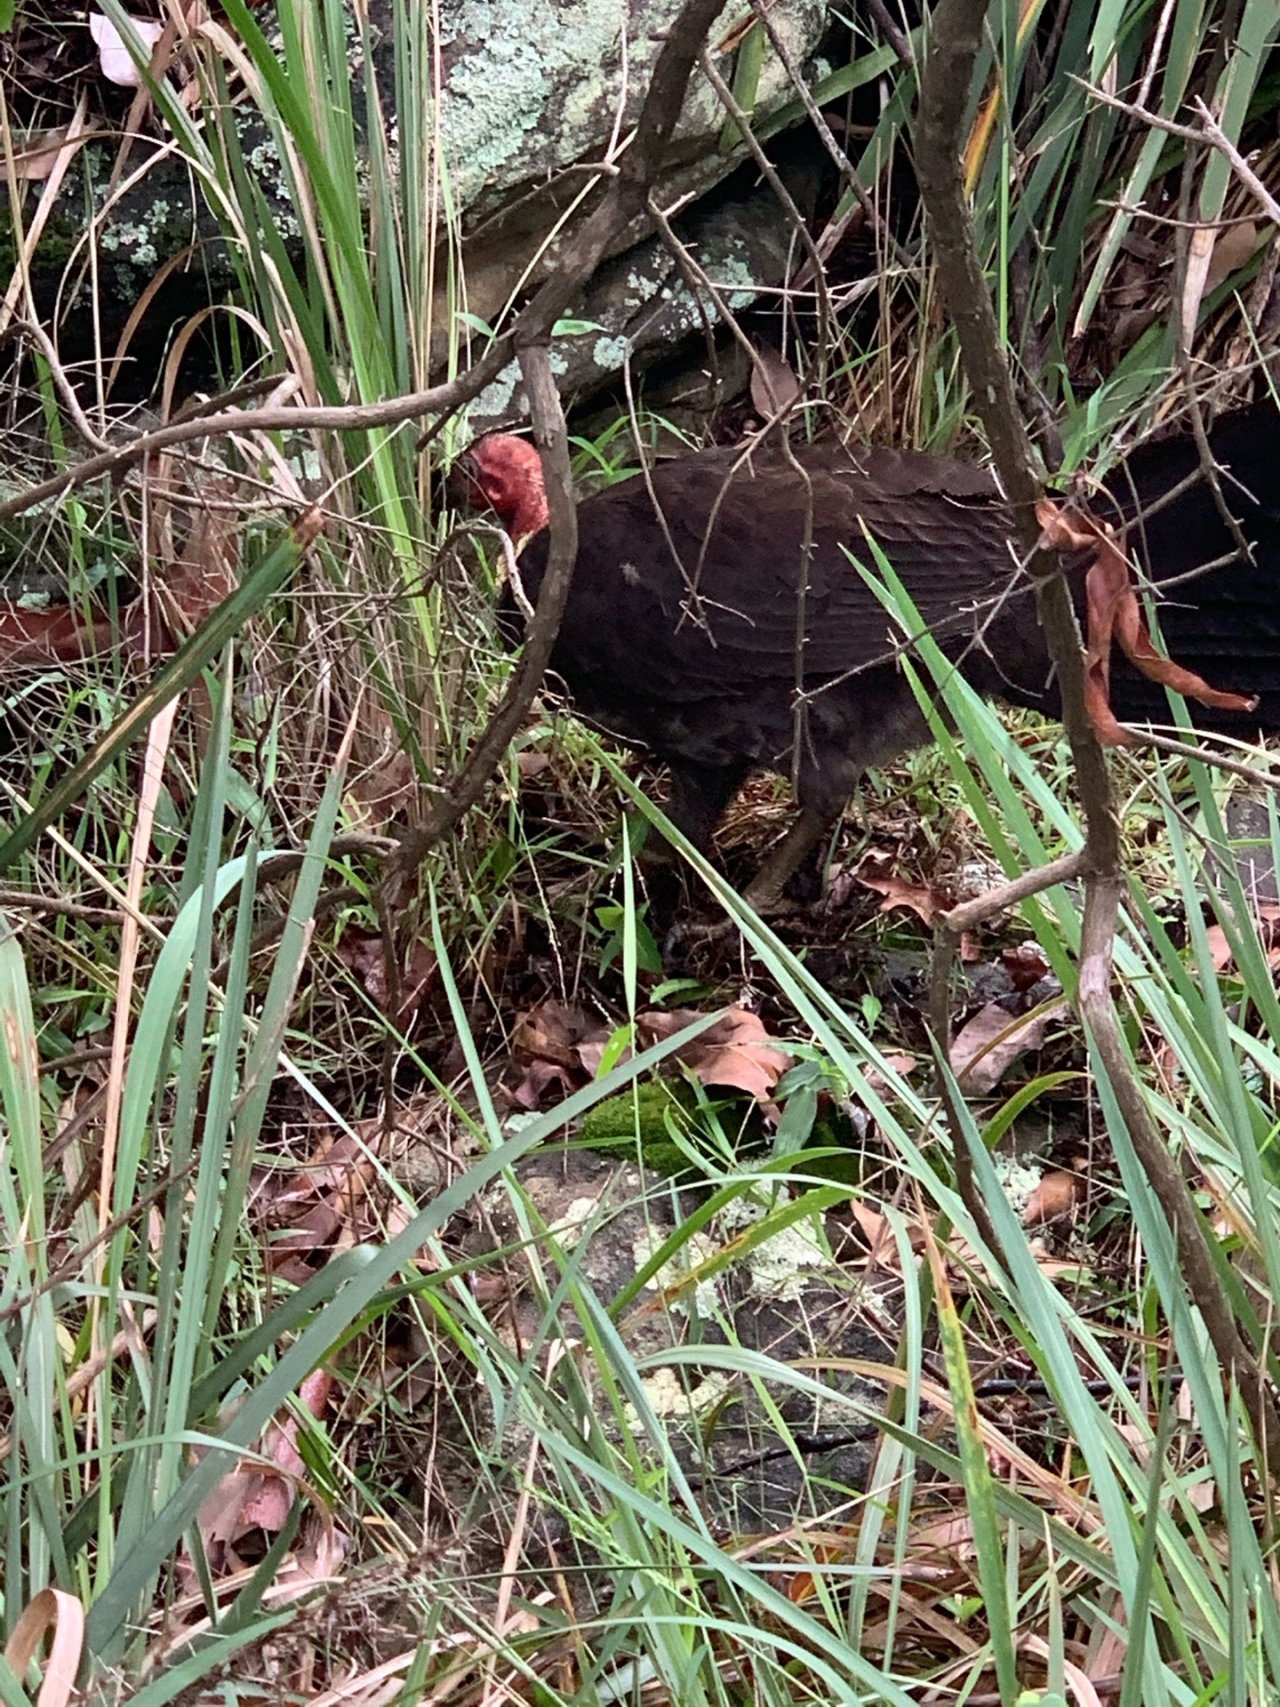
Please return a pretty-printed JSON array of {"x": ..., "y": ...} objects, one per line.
[
  {"x": 1025, "y": 963},
  {"x": 1114, "y": 615},
  {"x": 896, "y": 1063},
  {"x": 154, "y": 624},
  {"x": 364, "y": 953},
  {"x": 36, "y": 158},
  {"x": 552, "y": 1032},
  {"x": 1232, "y": 249},
  {"x": 736, "y": 1051},
  {"x": 774, "y": 386},
  {"x": 376, "y": 794},
  {"x": 280, "y": 1443},
  {"x": 539, "y": 1077},
  {"x": 1219, "y": 948},
  {"x": 1055, "y": 1196},
  {"x": 898, "y": 893},
  {"x": 877, "y": 1230},
  {"x": 255, "y": 1496},
  {"x": 985, "y": 1048},
  {"x": 320, "y": 1210},
  {"x": 559, "y": 1044}
]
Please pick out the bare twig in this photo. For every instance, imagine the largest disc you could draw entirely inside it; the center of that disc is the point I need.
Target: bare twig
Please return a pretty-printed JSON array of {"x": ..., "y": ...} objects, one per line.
[
  {"x": 841, "y": 160},
  {"x": 66, "y": 391},
  {"x": 1183, "y": 335},
  {"x": 794, "y": 217},
  {"x": 956, "y": 38},
  {"x": 969, "y": 914},
  {"x": 893, "y": 33},
  {"x": 1207, "y": 131},
  {"x": 624, "y": 198},
  {"x": 22, "y": 901}
]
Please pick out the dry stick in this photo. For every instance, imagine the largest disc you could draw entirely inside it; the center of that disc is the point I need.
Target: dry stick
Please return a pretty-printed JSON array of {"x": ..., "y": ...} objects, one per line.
[
  {"x": 826, "y": 135},
  {"x": 956, "y": 37},
  {"x": 624, "y": 199},
  {"x": 342, "y": 417},
  {"x": 964, "y": 917},
  {"x": 794, "y": 217},
  {"x": 1182, "y": 348},
  {"x": 897, "y": 37}
]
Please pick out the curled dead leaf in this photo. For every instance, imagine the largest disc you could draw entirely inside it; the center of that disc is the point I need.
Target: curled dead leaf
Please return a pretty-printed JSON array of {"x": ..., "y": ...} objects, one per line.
[
  {"x": 736, "y": 1051},
  {"x": 988, "y": 1045},
  {"x": 1055, "y": 1196},
  {"x": 926, "y": 903},
  {"x": 1114, "y": 614}
]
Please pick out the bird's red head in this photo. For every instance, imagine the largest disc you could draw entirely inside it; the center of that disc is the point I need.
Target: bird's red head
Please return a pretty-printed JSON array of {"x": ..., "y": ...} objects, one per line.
[{"x": 506, "y": 473}]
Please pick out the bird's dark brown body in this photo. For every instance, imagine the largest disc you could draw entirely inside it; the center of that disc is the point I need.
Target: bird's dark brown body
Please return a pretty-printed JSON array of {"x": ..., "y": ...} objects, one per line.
[{"x": 717, "y": 616}]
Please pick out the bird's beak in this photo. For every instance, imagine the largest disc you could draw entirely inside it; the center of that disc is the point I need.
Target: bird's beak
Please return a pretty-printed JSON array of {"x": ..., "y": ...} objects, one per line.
[{"x": 464, "y": 483}]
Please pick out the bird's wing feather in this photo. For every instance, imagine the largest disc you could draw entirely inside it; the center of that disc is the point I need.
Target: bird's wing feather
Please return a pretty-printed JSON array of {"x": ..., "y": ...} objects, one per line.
[{"x": 707, "y": 562}]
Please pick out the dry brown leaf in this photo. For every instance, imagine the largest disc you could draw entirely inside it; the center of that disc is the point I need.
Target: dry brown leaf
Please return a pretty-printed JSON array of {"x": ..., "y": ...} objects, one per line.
[
  {"x": 1107, "y": 1658},
  {"x": 1055, "y": 1196},
  {"x": 985, "y": 1048},
  {"x": 255, "y": 1497},
  {"x": 736, "y": 1051},
  {"x": 875, "y": 1229},
  {"x": 1219, "y": 948},
  {"x": 376, "y": 793},
  {"x": 363, "y": 952},
  {"x": 537, "y": 1078},
  {"x": 1233, "y": 250},
  {"x": 774, "y": 386},
  {"x": 321, "y": 1209},
  {"x": 552, "y": 1032},
  {"x": 1025, "y": 963},
  {"x": 60, "y": 1616},
  {"x": 150, "y": 627},
  {"x": 36, "y": 158},
  {"x": 952, "y": 1535},
  {"x": 896, "y": 1063},
  {"x": 898, "y": 893},
  {"x": 1114, "y": 614}
]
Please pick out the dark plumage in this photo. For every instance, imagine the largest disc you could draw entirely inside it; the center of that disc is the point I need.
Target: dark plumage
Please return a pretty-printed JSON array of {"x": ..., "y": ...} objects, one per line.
[{"x": 693, "y": 586}]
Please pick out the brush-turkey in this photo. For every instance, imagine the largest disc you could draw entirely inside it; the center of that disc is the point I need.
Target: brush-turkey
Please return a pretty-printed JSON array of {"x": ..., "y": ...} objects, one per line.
[{"x": 717, "y": 618}]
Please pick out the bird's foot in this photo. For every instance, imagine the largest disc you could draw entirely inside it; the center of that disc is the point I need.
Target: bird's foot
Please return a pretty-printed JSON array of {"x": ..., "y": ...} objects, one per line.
[{"x": 690, "y": 933}]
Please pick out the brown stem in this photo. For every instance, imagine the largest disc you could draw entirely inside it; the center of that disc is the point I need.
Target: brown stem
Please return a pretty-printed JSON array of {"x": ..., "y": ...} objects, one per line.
[
  {"x": 624, "y": 199},
  {"x": 945, "y": 83},
  {"x": 540, "y": 635}
]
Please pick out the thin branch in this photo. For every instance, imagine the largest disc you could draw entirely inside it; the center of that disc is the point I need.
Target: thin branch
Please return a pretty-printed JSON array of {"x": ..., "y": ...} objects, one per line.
[
  {"x": 955, "y": 40},
  {"x": 625, "y": 197},
  {"x": 23, "y": 901},
  {"x": 897, "y": 37},
  {"x": 70, "y": 402},
  {"x": 969, "y": 914},
  {"x": 1207, "y": 131},
  {"x": 841, "y": 160},
  {"x": 795, "y": 218}
]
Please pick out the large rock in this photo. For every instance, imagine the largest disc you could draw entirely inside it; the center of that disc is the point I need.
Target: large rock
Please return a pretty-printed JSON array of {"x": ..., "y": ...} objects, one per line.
[{"x": 531, "y": 88}]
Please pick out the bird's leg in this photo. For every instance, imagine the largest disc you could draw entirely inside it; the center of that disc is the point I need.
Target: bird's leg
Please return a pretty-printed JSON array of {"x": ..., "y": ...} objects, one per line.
[
  {"x": 699, "y": 795},
  {"x": 765, "y": 891}
]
